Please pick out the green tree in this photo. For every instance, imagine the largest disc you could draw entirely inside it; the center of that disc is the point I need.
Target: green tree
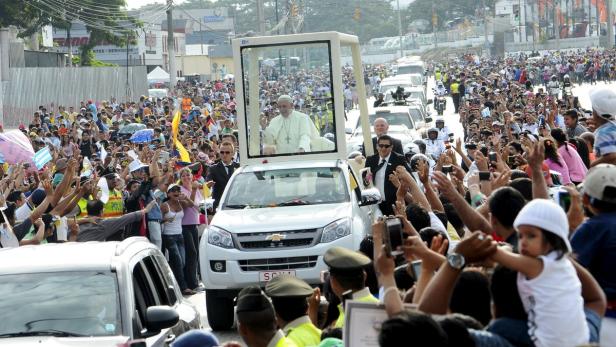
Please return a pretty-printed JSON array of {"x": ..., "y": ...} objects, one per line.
[{"x": 105, "y": 20}]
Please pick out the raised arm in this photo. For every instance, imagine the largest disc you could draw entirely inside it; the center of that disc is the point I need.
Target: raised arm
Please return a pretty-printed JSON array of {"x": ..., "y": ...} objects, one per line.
[
  {"x": 529, "y": 266},
  {"x": 42, "y": 207},
  {"x": 417, "y": 194},
  {"x": 65, "y": 183},
  {"x": 436, "y": 297},
  {"x": 431, "y": 196},
  {"x": 384, "y": 267},
  {"x": 536, "y": 156},
  {"x": 471, "y": 218}
]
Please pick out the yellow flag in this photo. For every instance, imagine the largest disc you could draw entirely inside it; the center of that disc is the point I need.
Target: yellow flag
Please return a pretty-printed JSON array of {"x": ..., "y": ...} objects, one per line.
[
  {"x": 175, "y": 125},
  {"x": 206, "y": 191},
  {"x": 184, "y": 156},
  {"x": 175, "y": 128}
]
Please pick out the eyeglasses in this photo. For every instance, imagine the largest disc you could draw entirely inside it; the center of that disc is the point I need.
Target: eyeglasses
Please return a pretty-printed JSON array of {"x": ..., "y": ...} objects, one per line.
[
  {"x": 381, "y": 145},
  {"x": 225, "y": 152}
]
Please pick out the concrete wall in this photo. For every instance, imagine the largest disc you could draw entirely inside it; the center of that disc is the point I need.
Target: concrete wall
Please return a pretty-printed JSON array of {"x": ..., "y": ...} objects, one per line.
[
  {"x": 27, "y": 88},
  {"x": 578, "y": 42}
]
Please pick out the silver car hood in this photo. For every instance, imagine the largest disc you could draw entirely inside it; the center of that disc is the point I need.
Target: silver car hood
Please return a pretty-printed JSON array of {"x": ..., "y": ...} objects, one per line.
[{"x": 52, "y": 341}]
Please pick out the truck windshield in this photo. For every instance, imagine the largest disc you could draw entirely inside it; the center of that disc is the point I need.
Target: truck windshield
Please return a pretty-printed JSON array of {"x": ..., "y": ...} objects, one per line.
[
  {"x": 59, "y": 304},
  {"x": 410, "y": 69},
  {"x": 287, "y": 187}
]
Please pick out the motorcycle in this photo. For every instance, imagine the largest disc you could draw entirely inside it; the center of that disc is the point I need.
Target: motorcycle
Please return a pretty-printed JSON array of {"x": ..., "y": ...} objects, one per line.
[
  {"x": 440, "y": 105},
  {"x": 567, "y": 91}
]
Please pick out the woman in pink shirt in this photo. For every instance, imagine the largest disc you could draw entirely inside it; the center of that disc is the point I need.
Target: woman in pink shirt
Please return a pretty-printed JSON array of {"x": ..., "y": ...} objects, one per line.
[
  {"x": 190, "y": 221},
  {"x": 570, "y": 155},
  {"x": 555, "y": 162}
]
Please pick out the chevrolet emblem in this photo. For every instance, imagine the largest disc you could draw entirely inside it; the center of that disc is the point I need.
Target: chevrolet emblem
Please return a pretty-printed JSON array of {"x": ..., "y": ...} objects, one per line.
[{"x": 275, "y": 237}]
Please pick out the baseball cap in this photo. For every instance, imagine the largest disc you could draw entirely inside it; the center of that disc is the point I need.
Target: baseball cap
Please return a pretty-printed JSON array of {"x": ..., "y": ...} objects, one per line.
[
  {"x": 546, "y": 215},
  {"x": 603, "y": 102},
  {"x": 600, "y": 183},
  {"x": 196, "y": 338}
]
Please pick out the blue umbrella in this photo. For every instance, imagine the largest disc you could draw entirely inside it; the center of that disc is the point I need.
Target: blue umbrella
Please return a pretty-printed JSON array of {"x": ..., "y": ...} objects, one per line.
[
  {"x": 131, "y": 128},
  {"x": 142, "y": 136}
]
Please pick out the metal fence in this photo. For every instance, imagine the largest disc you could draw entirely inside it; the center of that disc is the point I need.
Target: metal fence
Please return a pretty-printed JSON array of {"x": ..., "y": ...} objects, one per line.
[{"x": 28, "y": 88}]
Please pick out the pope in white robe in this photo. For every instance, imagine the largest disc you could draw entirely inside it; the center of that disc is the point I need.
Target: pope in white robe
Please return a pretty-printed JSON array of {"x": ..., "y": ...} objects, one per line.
[{"x": 291, "y": 131}]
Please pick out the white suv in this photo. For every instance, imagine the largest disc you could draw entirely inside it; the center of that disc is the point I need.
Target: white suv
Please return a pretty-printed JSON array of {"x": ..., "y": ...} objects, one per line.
[
  {"x": 280, "y": 218},
  {"x": 90, "y": 294}
]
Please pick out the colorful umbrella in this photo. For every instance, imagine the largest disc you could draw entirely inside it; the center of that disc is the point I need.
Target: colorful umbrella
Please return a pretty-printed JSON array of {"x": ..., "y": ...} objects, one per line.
[
  {"x": 16, "y": 147},
  {"x": 142, "y": 136}
]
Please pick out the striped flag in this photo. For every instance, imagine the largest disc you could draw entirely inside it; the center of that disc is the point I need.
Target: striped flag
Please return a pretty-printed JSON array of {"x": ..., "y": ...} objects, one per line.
[{"x": 42, "y": 157}]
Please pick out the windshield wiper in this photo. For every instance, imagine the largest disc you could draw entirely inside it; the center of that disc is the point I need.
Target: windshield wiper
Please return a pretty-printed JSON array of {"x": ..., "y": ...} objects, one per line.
[
  {"x": 47, "y": 332},
  {"x": 236, "y": 206},
  {"x": 295, "y": 202}
]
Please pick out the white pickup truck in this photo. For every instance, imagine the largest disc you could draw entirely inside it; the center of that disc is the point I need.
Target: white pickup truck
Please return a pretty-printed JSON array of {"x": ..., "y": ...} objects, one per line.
[{"x": 280, "y": 218}]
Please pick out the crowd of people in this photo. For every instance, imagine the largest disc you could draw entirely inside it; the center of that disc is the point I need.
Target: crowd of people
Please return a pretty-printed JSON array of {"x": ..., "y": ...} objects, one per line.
[{"x": 508, "y": 234}]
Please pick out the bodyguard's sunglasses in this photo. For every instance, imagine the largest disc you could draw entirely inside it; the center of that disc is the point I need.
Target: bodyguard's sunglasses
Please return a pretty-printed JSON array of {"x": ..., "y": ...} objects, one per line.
[{"x": 382, "y": 145}]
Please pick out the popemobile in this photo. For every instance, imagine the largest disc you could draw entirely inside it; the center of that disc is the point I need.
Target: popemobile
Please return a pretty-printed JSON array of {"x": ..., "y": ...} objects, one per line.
[{"x": 295, "y": 195}]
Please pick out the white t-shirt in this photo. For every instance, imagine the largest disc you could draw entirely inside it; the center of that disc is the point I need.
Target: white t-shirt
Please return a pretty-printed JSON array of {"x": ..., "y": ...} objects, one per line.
[
  {"x": 23, "y": 212},
  {"x": 553, "y": 301}
]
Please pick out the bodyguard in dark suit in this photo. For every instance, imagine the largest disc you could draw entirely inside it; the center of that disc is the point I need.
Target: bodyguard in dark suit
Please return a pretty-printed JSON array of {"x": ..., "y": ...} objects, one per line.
[
  {"x": 222, "y": 171},
  {"x": 381, "y": 166},
  {"x": 397, "y": 145}
]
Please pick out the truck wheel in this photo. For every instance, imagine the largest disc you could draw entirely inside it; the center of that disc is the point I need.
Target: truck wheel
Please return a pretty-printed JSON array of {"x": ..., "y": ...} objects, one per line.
[{"x": 219, "y": 311}]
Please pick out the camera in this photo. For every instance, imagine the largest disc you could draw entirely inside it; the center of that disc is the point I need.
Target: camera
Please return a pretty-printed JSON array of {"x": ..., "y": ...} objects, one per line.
[
  {"x": 447, "y": 169},
  {"x": 564, "y": 200},
  {"x": 484, "y": 175},
  {"x": 392, "y": 238},
  {"x": 492, "y": 156}
]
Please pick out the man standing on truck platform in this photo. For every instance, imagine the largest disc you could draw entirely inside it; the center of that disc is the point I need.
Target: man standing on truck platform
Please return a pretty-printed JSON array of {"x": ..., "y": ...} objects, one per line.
[{"x": 289, "y": 132}]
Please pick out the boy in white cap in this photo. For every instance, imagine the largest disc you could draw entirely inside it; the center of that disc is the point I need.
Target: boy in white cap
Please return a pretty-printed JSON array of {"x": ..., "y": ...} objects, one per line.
[
  {"x": 289, "y": 132},
  {"x": 603, "y": 111},
  {"x": 548, "y": 284}
]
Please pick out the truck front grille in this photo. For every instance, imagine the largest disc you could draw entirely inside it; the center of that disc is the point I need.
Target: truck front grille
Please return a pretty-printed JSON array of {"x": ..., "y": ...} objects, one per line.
[
  {"x": 276, "y": 239},
  {"x": 290, "y": 263}
]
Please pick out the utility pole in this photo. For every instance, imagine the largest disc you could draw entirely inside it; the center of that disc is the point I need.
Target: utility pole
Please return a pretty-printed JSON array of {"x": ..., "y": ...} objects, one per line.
[
  {"x": 70, "y": 45},
  {"x": 434, "y": 25},
  {"x": 261, "y": 17},
  {"x": 277, "y": 20},
  {"x": 610, "y": 25},
  {"x": 485, "y": 28},
  {"x": 171, "y": 46},
  {"x": 128, "y": 96},
  {"x": 400, "y": 28},
  {"x": 557, "y": 23}
]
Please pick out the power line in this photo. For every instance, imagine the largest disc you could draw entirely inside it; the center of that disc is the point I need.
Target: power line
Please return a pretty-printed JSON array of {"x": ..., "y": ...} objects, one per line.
[{"x": 92, "y": 20}]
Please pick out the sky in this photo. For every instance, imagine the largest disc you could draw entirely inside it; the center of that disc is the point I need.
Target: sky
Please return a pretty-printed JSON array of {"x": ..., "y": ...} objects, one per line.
[{"x": 132, "y": 4}]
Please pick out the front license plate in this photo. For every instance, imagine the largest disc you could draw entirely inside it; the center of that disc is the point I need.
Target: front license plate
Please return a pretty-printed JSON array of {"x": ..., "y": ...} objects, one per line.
[{"x": 266, "y": 276}]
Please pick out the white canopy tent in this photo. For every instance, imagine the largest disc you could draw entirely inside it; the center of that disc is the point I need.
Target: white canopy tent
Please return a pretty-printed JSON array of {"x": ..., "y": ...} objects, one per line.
[{"x": 158, "y": 75}]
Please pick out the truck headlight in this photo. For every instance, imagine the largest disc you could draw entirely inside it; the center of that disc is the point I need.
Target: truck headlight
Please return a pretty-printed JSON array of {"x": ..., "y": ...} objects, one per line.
[
  {"x": 219, "y": 237},
  {"x": 336, "y": 230}
]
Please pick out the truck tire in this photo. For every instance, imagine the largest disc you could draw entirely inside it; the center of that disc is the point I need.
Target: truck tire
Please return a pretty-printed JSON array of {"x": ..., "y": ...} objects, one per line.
[{"x": 219, "y": 310}]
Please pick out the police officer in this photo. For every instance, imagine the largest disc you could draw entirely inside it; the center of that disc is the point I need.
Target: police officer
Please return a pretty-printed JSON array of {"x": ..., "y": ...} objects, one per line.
[
  {"x": 434, "y": 146},
  {"x": 347, "y": 277},
  {"x": 443, "y": 131},
  {"x": 289, "y": 296},
  {"x": 256, "y": 320},
  {"x": 455, "y": 94}
]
